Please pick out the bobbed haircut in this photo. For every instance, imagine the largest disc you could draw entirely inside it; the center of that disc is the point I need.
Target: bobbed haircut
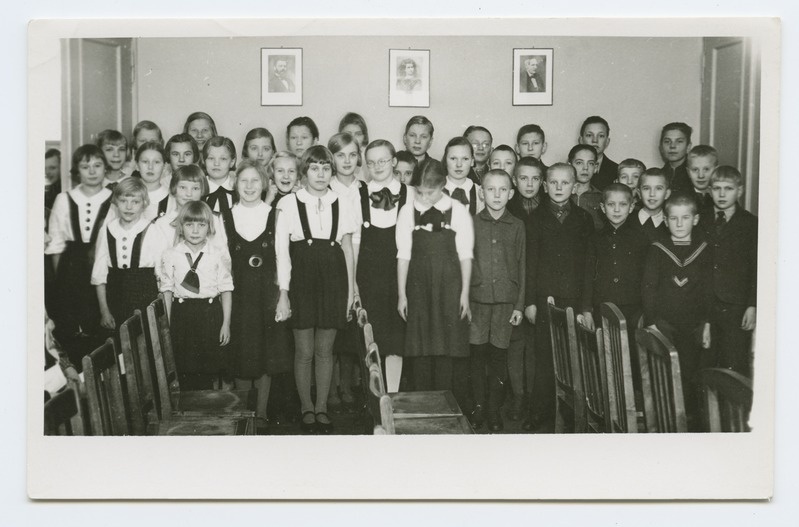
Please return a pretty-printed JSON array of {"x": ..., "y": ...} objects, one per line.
[
  {"x": 147, "y": 125},
  {"x": 498, "y": 172},
  {"x": 316, "y": 154},
  {"x": 617, "y": 187},
  {"x": 194, "y": 211},
  {"x": 530, "y": 129},
  {"x": 307, "y": 122},
  {"x": 631, "y": 163},
  {"x": 282, "y": 154},
  {"x": 150, "y": 145},
  {"x": 377, "y": 143},
  {"x": 681, "y": 198},
  {"x": 430, "y": 174},
  {"x": 477, "y": 128},
  {"x": 403, "y": 156},
  {"x": 111, "y": 137},
  {"x": 562, "y": 166},
  {"x": 252, "y": 135},
  {"x": 356, "y": 119},
  {"x": 422, "y": 120},
  {"x": 452, "y": 143},
  {"x": 682, "y": 127},
  {"x": 529, "y": 161},
  {"x": 247, "y": 164},
  {"x": 594, "y": 119},
  {"x": 339, "y": 141},
  {"x": 579, "y": 148},
  {"x": 727, "y": 173},
  {"x": 85, "y": 153},
  {"x": 191, "y": 173},
  {"x": 200, "y": 115},
  {"x": 131, "y": 187},
  {"x": 654, "y": 172},
  {"x": 220, "y": 142},
  {"x": 183, "y": 138},
  {"x": 704, "y": 151}
]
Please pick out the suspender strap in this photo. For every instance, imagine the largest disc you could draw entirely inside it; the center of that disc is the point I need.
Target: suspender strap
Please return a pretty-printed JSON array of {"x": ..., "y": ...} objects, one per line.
[
  {"x": 162, "y": 206},
  {"x": 99, "y": 221},
  {"x": 74, "y": 220},
  {"x": 403, "y": 195},
  {"x": 472, "y": 200},
  {"x": 270, "y": 225},
  {"x": 365, "y": 212},
  {"x": 112, "y": 248},
  {"x": 135, "y": 254},
  {"x": 306, "y": 230},
  {"x": 334, "y": 226}
]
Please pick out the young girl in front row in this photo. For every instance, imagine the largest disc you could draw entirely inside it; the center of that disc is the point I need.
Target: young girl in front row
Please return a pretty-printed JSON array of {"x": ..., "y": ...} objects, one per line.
[
  {"x": 315, "y": 278},
  {"x": 375, "y": 247},
  {"x": 195, "y": 277},
  {"x": 435, "y": 242},
  {"x": 150, "y": 160},
  {"x": 261, "y": 347},
  {"x": 126, "y": 257},
  {"x": 458, "y": 160}
]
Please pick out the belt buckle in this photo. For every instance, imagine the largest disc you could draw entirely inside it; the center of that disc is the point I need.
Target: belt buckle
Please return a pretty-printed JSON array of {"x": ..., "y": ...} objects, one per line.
[{"x": 255, "y": 261}]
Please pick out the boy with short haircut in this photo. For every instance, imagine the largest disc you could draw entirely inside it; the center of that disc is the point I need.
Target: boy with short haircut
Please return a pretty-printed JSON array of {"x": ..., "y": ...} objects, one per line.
[
  {"x": 504, "y": 158},
  {"x": 732, "y": 231},
  {"x": 677, "y": 294},
  {"x": 702, "y": 161},
  {"x": 675, "y": 143},
  {"x": 406, "y": 164},
  {"x": 629, "y": 173},
  {"x": 115, "y": 148},
  {"x": 654, "y": 190},
  {"x": 418, "y": 137},
  {"x": 496, "y": 295},
  {"x": 531, "y": 141},
  {"x": 528, "y": 175},
  {"x": 557, "y": 236},
  {"x": 586, "y": 195},
  {"x": 481, "y": 140},
  {"x": 595, "y": 131}
]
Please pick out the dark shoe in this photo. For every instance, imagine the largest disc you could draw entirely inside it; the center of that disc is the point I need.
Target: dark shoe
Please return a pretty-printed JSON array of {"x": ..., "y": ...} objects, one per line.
[
  {"x": 495, "y": 422},
  {"x": 530, "y": 423},
  {"x": 477, "y": 417},
  {"x": 322, "y": 427},
  {"x": 306, "y": 427},
  {"x": 516, "y": 408}
]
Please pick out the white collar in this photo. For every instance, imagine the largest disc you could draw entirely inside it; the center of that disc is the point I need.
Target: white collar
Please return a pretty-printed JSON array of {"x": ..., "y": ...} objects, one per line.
[
  {"x": 341, "y": 188},
  {"x": 444, "y": 204},
  {"x": 466, "y": 184},
  {"x": 116, "y": 230},
  {"x": 208, "y": 248},
  {"x": 79, "y": 197},
  {"x": 392, "y": 184},
  {"x": 213, "y": 185},
  {"x": 306, "y": 197},
  {"x": 657, "y": 219}
]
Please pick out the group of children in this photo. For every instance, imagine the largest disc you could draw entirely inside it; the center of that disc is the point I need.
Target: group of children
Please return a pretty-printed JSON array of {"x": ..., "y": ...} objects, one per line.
[{"x": 261, "y": 257}]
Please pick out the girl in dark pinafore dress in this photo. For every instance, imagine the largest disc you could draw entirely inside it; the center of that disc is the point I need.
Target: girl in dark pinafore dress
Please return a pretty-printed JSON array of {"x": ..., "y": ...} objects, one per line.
[
  {"x": 261, "y": 347},
  {"x": 435, "y": 240},
  {"x": 315, "y": 274},
  {"x": 375, "y": 248}
]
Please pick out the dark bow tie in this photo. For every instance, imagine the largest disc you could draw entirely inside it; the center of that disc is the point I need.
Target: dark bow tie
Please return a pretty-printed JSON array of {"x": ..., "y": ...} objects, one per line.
[
  {"x": 460, "y": 195},
  {"x": 432, "y": 217},
  {"x": 384, "y": 199},
  {"x": 191, "y": 282}
]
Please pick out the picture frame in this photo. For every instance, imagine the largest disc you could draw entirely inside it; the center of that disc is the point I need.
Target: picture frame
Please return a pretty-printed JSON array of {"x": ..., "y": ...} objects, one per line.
[
  {"x": 281, "y": 76},
  {"x": 532, "y": 76},
  {"x": 409, "y": 78}
]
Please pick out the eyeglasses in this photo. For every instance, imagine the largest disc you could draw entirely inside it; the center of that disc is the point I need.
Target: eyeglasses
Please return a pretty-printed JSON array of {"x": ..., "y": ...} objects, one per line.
[
  {"x": 484, "y": 144},
  {"x": 380, "y": 163}
]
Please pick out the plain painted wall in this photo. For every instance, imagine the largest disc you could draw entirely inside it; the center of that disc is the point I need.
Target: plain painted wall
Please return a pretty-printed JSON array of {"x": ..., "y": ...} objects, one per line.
[{"x": 637, "y": 84}]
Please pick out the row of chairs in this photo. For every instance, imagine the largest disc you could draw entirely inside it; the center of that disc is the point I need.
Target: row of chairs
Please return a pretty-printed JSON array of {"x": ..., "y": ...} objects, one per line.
[
  {"x": 138, "y": 391},
  {"x": 594, "y": 380}
]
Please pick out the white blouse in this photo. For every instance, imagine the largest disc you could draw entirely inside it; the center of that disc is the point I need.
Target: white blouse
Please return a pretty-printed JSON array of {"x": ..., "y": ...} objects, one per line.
[
  {"x": 466, "y": 184},
  {"x": 149, "y": 255},
  {"x": 250, "y": 222},
  {"x": 379, "y": 217},
  {"x": 151, "y": 212},
  {"x": 213, "y": 270},
  {"x": 461, "y": 223},
  {"x": 60, "y": 225},
  {"x": 166, "y": 234}
]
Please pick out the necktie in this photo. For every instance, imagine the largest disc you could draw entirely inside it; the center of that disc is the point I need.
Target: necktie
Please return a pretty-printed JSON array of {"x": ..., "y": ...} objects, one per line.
[
  {"x": 432, "y": 217},
  {"x": 384, "y": 199},
  {"x": 721, "y": 220},
  {"x": 460, "y": 195},
  {"x": 191, "y": 282}
]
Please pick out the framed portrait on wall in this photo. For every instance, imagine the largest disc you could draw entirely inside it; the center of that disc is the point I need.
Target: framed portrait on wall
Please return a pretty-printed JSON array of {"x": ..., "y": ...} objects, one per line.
[
  {"x": 281, "y": 76},
  {"x": 409, "y": 77},
  {"x": 532, "y": 77}
]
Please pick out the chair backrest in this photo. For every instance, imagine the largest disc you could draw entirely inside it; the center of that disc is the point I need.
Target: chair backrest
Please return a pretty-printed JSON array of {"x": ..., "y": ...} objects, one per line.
[
  {"x": 727, "y": 397},
  {"x": 104, "y": 396},
  {"x": 621, "y": 397},
  {"x": 138, "y": 377},
  {"x": 63, "y": 415},
  {"x": 163, "y": 358},
  {"x": 563, "y": 336},
  {"x": 664, "y": 406},
  {"x": 375, "y": 391},
  {"x": 387, "y": 415},
  {"x": 373, "y": 358},
  {"x": 591, "y": 356},
  {"x": 368, "y": 336}
]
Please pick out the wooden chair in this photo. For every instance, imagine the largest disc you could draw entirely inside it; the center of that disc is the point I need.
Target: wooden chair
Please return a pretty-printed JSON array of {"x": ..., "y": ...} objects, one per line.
[
  {"x": 591, "y": 357},
  {"x": 63, "y": 415},
  {"x": 622, "y": 413},
  {"x": 107, "y": 413},
  {"x": 173, "y": 401},
  {"x": 727, "y": 400},
  {"x": 664, "y": 405},
  {"x": 569, "y": 395}
]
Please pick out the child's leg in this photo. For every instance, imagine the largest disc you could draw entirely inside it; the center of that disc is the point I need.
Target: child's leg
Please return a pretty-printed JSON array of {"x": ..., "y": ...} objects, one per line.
[
  {"x": 346, "y": 363},
  {"x": 335, "y": 381},
  {"x": 516, "y": 370},
  {"x": 686, "y": 341},
  {"x": 497, "y": 361},
  {"x": 422, "y": 373},
  {"x": 393, "y": 373},
  {"x": 731, "y": 342},
  {"x": 478, "y": 371},
  {"x": 303, "y": 358},
  {"x": 323, "y": 355},
  {"x": 262, "y": 384}
]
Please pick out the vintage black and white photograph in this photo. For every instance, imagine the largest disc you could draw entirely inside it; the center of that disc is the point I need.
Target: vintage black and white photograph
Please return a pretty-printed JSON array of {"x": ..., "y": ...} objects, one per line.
[{"x": 217, "y": 262}]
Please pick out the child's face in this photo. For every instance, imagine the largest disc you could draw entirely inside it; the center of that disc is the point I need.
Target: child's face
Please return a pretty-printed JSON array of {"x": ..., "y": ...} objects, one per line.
[
  {"x": 145, "y": 136},
  {"x": 681, "y": 220},
  {"x": 346, "y": 160},
  {"x": 674, "y": 146},
  {"x": 429, "y": 196},
  {"x": 503, "y": 161},
  {"x": 630, "y": 176},
  {"x": 115, "y": 154},
  {"x": 218, "y": 163},
  {"x": 249, "y": 186},
  {"x": 497, "y": 190},
  {"x": 51, "y": 170},
  {"x": 699, "y": 169},
  {"x": 195, "y": 232},
  {"x": 654, "y": 192},
  {"x": 260, "y": 150},
  {"x": 617, "y": 206},
  {"x": 150, "y": 166},
  {"x": 92, "y": 171},
  {"x": 459, "y": 161},
  {"x": 584, "y": 163},
  {"x": 726, "y": 194},
  {"x": 180, "y": 155},
  {"x": 380, "y": 163},
  {"x": 300, "y": 139},
  {"x": 404, "y": 172},
  {"x": 130, "y": 208},
  {"x": 285, "y": 174},
  {"x": 597, "y": 136},
  {"x": 418, "y": 139},
  {"x": 186, "y": 191},
  {"x": 201, "y": 131},
  {"x": 481, "y": 143},
  {"x": 528, "y": 181},
  {"x": 532, "y": 145},
  {"x": 355, "y": 131},
  {"x": 560, "y": 185},
  {"x": 319, "y": 175}
]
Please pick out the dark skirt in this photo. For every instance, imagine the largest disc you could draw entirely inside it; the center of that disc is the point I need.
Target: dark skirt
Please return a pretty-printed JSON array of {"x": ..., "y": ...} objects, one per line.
[
  {"x": 195, "y": 326},
  {"x": 76, "y": 308},
  {"x": 128, "y": 290},
  {"x": 318, "y": 289}
]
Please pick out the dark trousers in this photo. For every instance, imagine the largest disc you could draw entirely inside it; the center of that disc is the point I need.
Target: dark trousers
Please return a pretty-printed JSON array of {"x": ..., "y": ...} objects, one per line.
[
  {"x": 521, "y": 358},
  {"x": 442, "y": 373},
  {"x": 488, "y": 363},
  {"x": 730, "y": 343}
]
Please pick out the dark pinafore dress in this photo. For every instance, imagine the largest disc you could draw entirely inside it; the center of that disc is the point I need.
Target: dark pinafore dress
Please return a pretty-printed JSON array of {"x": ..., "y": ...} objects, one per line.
[
  {"x": 162, "y": 205},
  {"x": 129, "y": 287},
  {"x": 318, "y": 289},
  {"x": 77, "y": 308},
  {"x": 377, "y": 278},
  {"x": 259, "y": 344},
  {"x": 433, "y": 290}
]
